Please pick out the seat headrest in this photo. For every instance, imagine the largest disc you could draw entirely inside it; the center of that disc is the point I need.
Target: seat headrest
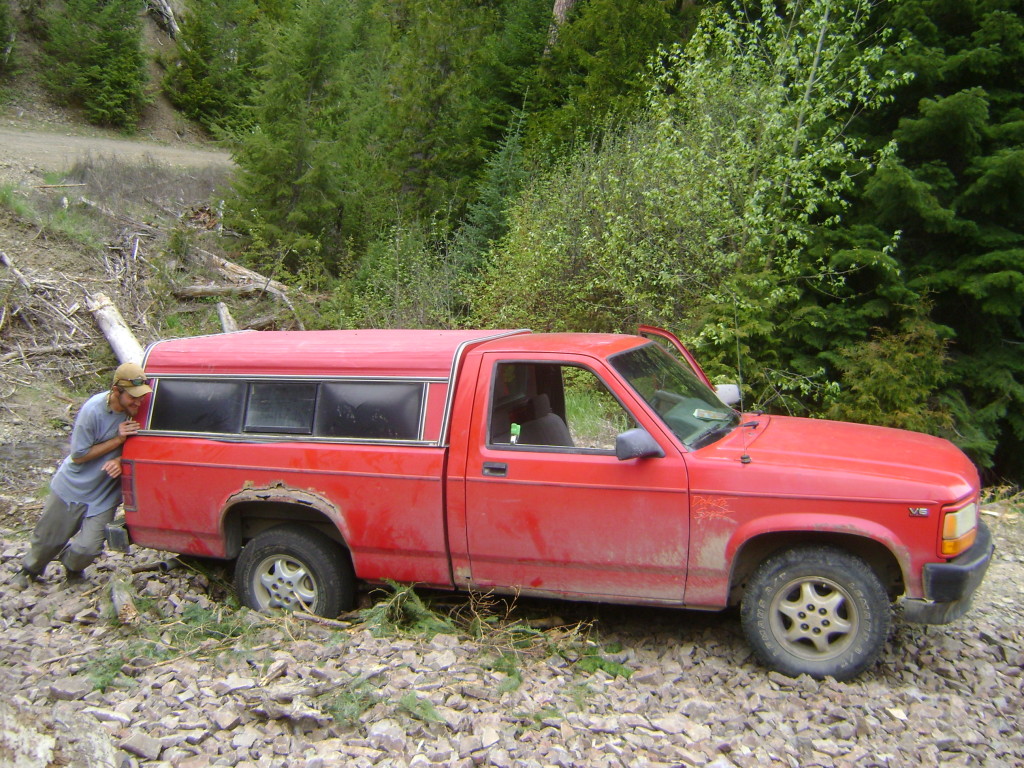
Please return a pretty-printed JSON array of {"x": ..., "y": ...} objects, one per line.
[{"x": 540, "y": 406}]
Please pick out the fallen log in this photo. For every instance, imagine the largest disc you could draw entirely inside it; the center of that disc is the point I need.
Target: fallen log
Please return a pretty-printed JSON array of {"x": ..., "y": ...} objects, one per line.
[
  {"x": 5, "y": 260},
  {"x": 216, "y": 289},
  {"x": 55, "y": 349},
  {"x": 163, "y": 14},
  {"x": 237, "y": 272},
  {"x": 227, "y": 322},
  {"x": 124, "y": 603},
  {"x": 126, "y": 347}
]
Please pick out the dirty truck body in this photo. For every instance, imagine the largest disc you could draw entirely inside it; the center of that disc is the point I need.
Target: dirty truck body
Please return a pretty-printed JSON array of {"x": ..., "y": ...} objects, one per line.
[{"x": 598, "y": 467}]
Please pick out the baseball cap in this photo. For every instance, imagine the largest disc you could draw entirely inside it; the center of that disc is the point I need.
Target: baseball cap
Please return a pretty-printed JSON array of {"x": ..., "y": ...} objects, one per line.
[{"x": 132, "y": 379}]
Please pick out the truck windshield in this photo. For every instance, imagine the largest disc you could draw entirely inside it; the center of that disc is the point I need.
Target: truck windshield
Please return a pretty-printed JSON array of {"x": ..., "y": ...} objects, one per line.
[{"x": 691, "y": 410}]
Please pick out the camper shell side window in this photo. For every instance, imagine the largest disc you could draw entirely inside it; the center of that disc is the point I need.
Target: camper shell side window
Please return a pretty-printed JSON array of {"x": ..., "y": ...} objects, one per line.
[{"x": 362, "y": 410}]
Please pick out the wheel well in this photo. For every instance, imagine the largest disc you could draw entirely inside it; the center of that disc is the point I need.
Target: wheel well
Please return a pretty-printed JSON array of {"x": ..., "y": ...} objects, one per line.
[
  {"x": 754, "y": 552},
  {"x": 247, "y": 519}
]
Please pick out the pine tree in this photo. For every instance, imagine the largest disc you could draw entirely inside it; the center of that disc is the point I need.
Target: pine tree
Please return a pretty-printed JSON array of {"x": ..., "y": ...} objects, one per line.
[
  {"x": 392, "y": 123},
  {"x": 214, "y": 75},
  {"x": 955, "y": 193},
  {"x": 288, "y": 187},
  {"x": 94, "y": 49},
  {"x": 7, "y": 38},
  {"x": 594, "y": 72}
]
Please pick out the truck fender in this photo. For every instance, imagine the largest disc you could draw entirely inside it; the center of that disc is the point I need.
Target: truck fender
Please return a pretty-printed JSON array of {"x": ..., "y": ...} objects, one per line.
[
  {"x": 280, "y": 493},
  {"x": 788, "y": 528}
]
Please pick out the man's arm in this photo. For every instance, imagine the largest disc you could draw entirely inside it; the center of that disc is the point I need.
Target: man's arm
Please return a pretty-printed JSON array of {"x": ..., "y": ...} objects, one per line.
[{"x": 124, "y": 430}]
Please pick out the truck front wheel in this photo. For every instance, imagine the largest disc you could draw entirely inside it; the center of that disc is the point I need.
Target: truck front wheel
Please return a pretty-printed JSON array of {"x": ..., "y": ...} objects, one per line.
[
  {"x": 818, "y": 611},
  {"x": 292, "y": 568}
]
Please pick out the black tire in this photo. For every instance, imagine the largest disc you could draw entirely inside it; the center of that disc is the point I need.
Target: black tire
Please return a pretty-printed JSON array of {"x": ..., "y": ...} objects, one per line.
[
  {"x": 818, "y": 611},
  {"x": 294, "y": 568}
]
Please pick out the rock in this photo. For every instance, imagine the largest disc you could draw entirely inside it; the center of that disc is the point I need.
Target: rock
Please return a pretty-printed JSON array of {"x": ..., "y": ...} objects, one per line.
[
  {"x": 387, "y": 735},
  {"x": 70, "y": 688},
  {"x": 142, "y": 745},
  {"x": 226, "y": 719},
  {"x": 24, "y": 742},
  {"x": 290, "y": 694}
]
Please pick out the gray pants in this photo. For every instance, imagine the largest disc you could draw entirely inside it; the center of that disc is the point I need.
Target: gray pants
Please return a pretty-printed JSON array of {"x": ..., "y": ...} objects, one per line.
[{"x": 65, "y": 531}]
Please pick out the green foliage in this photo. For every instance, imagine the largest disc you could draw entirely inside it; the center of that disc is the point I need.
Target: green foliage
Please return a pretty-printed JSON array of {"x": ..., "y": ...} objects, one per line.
[
  {"x": 8, "y": 38},
  {"x": 348, "y": 702},
  {"x": 214, "y": 74},
  {"x": 504, "y": 176},
  {"x": 197, "y": 625},
  {"x": 421, "y": 709},
  {"x": 699, "y": 214},
  {"x": 403, "y": 612},
  {"x": 955, "y": 192},
  {"x": 508, "y": 665},
  {"x": 288, "y": 188},
  {"x": 409, "y": 279},
  {"x": 591, "y": 660},
  {"x": 594, "y": 70},
  {"x": 892, "y": 378},
  {"x": 105, "y": 671},
  {"x": 95, "y": 60},
  {"x": 374, "y": 113}
]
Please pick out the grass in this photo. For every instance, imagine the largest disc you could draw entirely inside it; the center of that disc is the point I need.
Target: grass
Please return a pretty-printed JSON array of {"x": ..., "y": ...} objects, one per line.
[
  {"x": 16, "y": 201},
  {"x": 420, "y": 709},
  {"x": 137, "y": 187},
  {"x": 594, "y": 416},
  {"x": 347, "y": 703},
  {"x": 55, "y": 216}
]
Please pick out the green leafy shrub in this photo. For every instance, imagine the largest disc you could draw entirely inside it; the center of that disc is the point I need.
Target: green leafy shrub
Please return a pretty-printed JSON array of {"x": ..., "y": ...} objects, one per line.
[{"x": 894, "y": 379}]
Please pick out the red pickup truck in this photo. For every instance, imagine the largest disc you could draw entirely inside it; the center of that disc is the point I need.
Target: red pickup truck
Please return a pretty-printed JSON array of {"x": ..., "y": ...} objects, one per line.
[{"x": 598, "y": 467}]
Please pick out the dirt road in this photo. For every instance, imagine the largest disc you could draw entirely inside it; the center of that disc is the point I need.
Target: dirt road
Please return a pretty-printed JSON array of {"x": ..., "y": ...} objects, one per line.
[{"x": 57, "y": 151}]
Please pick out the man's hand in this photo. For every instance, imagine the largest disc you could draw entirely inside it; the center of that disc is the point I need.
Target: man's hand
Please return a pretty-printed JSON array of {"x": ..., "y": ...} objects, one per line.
[
  {"x": 127, "y": 428},
  {"x": 112, "y": 467}
]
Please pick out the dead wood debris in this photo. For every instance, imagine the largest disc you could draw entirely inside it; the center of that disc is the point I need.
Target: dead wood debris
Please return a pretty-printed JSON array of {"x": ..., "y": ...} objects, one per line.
[
  {"x": 241, "y": 281},
  {"x": 43, "y": 330},
  {"x": 39, "y": 318}
]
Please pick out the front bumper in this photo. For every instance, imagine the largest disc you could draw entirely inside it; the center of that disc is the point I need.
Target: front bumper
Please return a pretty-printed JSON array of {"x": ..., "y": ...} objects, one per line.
[{"x": 949, "y": 587}]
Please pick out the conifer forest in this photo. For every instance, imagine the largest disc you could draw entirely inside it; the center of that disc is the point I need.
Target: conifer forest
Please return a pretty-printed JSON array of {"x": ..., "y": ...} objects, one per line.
[{"x": 825, "y": 197}]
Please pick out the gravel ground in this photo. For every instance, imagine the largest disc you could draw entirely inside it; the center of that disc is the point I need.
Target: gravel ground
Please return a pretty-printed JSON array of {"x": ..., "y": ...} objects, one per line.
[{"x": 188, "y": 682}]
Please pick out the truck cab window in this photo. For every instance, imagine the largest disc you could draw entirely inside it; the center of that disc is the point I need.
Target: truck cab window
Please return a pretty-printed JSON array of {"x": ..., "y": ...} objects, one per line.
[{"x": 554, "y": 405}]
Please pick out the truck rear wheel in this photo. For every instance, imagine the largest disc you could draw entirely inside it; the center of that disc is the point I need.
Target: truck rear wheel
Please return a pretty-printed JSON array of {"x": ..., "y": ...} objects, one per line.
[
  {"x": 818, "y": 611},
  {"x": 293, "y": 568}
]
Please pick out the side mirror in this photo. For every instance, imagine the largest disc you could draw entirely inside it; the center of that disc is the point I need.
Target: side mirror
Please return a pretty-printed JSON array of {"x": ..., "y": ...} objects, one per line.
[
  {"x": 728, "y": 393},
  {"x": 637, "y": 444}
]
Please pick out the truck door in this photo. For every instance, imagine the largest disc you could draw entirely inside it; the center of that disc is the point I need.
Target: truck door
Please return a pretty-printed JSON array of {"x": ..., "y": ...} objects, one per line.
[{"x": 549, "y": 509}]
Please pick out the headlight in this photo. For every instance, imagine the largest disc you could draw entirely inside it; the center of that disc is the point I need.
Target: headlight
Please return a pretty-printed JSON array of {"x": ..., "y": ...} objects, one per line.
[{"x": 959, "y": 528}]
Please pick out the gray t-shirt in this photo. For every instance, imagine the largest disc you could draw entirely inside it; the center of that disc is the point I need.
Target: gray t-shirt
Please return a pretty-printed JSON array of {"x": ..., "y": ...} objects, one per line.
[{"x": 87, "y": 483}]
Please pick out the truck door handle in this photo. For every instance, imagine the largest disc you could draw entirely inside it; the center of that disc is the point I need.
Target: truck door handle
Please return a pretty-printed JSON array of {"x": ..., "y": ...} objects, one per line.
[{"x": 495, "y": 469}]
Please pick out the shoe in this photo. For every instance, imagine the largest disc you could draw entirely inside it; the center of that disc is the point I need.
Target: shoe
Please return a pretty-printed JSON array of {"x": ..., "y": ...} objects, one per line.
[
  {"x": 75, "y": 577},
  {"x": 23, "y": 578}
]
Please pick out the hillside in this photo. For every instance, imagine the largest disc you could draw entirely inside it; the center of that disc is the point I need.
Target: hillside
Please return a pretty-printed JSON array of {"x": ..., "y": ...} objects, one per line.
[{"x": 85, "y": 211}]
